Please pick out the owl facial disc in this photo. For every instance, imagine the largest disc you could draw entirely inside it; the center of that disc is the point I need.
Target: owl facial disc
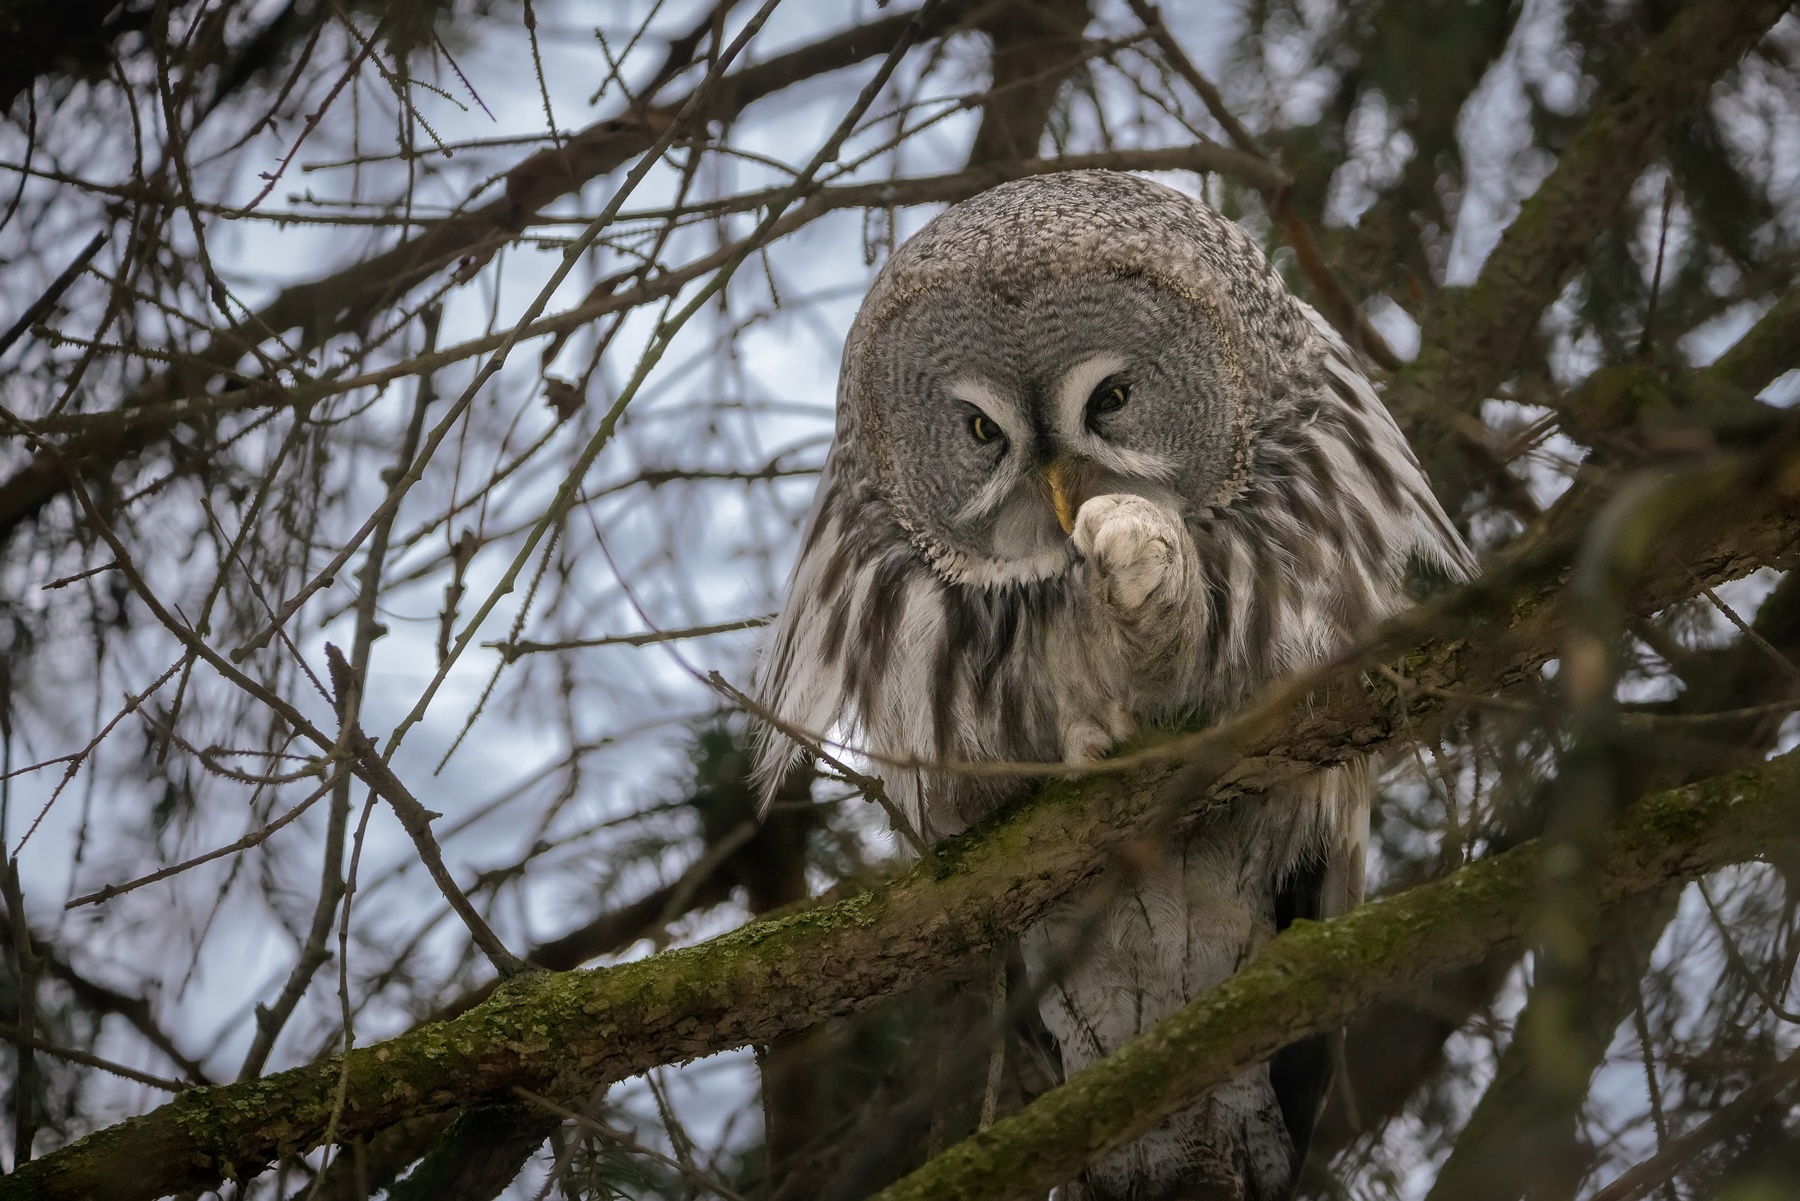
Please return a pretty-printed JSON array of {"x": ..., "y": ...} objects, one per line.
[{"x": 1007, "y": 401}]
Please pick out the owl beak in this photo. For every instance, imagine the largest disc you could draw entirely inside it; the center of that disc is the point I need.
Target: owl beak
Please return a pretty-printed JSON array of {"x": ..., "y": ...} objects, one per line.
[{"x": 1064, "y": 478}]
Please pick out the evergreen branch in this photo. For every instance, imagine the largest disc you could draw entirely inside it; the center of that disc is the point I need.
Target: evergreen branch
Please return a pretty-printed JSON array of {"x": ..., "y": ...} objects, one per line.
[{"x": 1481, "y": 333}]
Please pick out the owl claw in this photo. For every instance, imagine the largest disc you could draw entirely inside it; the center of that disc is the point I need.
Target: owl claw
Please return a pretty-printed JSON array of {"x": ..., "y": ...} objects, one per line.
[
  {"x": 1130, "y": 544},
  {"x": 1084, "y": 743}
]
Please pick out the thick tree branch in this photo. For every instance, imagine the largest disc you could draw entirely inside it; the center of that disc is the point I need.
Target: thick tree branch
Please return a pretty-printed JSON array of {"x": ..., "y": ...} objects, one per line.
[
  {"x": 1037, "y": 45},
  {"x": 1317, "y": 974},
  {"x": 1394, "y": 1048},
  {"x": 1518, "y": 1137},
  {"x": 1768, "y": 351},
  {"x": 479, "y": 1154},
  {"x": 554, "y": 1035},
  {"x": 362, "y": 1167},
  {"x": 770, "y": 866}
]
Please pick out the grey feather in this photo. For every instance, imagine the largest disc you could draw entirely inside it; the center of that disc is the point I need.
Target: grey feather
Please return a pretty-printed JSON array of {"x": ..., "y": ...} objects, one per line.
[{"x": 1246, "y": 507}]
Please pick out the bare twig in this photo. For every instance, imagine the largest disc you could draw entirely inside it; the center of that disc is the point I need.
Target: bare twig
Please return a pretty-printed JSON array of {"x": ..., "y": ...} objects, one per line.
[
  {"x": 349, "y": 697},
  {"x": 1752, "y": 636},
  {"x": 40, "y": 308},
  {"x": 15, "y": 1034},
  {"x": 25, "y": 971},
  {"x": 629, "y": 1143},
  {"x": 254, "y": 838},
  {"x": 1643, "y": 1179},
  {"x": 511, "y": 651}
]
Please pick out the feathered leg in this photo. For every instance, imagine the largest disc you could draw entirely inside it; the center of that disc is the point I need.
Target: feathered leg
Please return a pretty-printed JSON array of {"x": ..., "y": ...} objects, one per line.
[{"x": 1145, "y": 620}]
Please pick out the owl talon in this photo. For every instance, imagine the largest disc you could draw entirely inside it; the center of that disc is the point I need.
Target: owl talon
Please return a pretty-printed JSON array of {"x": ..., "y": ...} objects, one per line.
[
  {"x": 1085, "y": 743},
  {"x": 1130, "y": 544}
]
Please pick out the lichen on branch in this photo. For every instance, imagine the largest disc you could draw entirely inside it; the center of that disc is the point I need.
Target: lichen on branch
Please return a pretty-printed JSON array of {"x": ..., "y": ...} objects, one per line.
[
  {"x": 1316, "y": 975},
  {"x": 559, "y": 1034}
]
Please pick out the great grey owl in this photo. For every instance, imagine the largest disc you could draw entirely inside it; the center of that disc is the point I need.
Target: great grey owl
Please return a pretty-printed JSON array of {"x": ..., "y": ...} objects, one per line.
[{"x": 1096, "y": 467}]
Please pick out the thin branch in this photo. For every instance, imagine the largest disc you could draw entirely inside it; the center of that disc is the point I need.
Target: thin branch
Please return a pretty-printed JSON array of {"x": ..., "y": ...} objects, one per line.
[
  {"x": 40, "y": 308},
  {"x": 688, "y": 1171},
  {"x": 101, "y": 999},
  {"x": 312, "y": 956},
  {"x": 24, "y": 1034},
  {"x": 1739, "y": 964},
  {"x": 1641, "y": 1180},
  {"x": 1752, "y": 636},
  {"x": 512, "y": 651},
  {"x": 1481, "y": 333},
  {"x": 416, "y": 820},
  {"x": 253, "y": 838},
  {"x": 325, "y": 307},
  {"x": 1340, "y": 307},
  {"x": 14, "y": 1034},
  {"x": 166, "y": 411}
]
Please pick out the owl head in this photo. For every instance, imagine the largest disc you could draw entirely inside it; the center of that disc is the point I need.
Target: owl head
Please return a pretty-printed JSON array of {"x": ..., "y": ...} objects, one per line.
[{"x": 1054, "y": 339}]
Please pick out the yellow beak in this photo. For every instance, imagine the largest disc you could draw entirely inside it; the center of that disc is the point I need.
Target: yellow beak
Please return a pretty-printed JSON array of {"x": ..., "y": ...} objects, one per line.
[{"x": 1064, "y": 478}]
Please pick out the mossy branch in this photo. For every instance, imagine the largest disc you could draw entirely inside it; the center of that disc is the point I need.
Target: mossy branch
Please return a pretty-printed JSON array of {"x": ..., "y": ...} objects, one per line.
[
  {"x": 1317, "y": 975},
  {"x": 555, "y": 1034},
  {"x": 559, "y": 1034},
  {"x": 1769, "y": 350}
]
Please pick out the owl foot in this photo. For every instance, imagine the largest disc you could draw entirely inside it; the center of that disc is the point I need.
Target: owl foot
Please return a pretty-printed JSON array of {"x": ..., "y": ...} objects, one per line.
[
  {"x": 1085, "y": 743},
  {"x": 1089, "y": 740},
  {"x": 1131, "y": 546}
]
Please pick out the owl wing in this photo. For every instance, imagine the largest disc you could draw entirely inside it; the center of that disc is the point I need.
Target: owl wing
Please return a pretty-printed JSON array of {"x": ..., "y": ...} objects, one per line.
[
  {"x": 801, "y": 680},
  {"x": 1329, "y": 882}
]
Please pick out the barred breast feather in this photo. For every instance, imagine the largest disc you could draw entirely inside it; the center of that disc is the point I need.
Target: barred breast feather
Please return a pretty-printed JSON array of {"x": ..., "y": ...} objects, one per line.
[{"x": 873, "y": 649}]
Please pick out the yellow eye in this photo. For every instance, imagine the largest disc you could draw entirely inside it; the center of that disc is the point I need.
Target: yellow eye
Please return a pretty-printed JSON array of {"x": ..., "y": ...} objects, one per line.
[
  {"x": 1109, "y": 399},
  {"x": 983, "y": 428}
]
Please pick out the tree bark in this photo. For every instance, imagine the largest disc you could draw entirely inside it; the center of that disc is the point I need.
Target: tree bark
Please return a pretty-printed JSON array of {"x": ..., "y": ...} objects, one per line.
[
  {"x": 546, "y": 1033},
  {"x": 1317, "y": 974},
  {"x": 1036, "y": 46}
]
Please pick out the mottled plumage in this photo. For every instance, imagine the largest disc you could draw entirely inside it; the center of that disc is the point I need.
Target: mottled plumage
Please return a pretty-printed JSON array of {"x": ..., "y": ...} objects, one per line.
[{"x": 1095, "y": 467}]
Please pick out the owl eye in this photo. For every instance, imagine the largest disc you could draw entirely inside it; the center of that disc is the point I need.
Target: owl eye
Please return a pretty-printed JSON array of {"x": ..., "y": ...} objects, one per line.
[
  {"x": 983, "y": 429},
  {"x": 1109, "y": 397}
]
